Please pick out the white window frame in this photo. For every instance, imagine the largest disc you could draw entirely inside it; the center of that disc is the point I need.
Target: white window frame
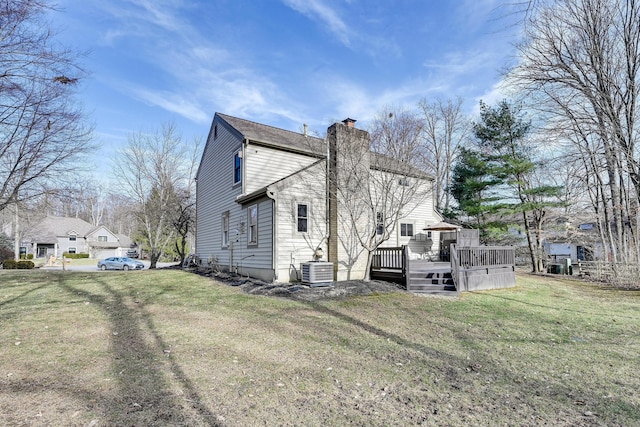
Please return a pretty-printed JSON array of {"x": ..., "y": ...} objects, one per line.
[
  {"x": 404, "y": 182},
  {"x": 237, "y": 169},
  {"x": 306, "y": 218},
  {"x": 380, "y": 223},
  {"x": 225, "y": 229},
  {"x": 404, "y": 229},
  {"x": 252, "y": 225},
  {"x": 103, "y": 238},
  {"x": 73, "y": 237},
  {"x": 72, "y": 250}
]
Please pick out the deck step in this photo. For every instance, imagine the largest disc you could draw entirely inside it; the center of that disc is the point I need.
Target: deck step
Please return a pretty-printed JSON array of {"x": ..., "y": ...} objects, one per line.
[
  {"x": 415, "y": 287},
  {"x": 438, "y": 282}
]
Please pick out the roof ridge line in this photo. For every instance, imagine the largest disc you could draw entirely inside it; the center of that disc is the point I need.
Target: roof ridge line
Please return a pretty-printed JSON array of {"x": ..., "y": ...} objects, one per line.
[{"x": 266, "y": 125}]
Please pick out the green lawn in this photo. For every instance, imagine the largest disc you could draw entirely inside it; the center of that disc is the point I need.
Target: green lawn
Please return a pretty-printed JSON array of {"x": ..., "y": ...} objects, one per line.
[{"x": 171, "y": 348}]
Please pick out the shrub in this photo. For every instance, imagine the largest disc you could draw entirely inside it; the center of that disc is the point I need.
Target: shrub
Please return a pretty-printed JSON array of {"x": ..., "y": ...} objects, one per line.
[
  {"x": 25, "y": 265},
  {"x": 29, "y": 256},
  {"x": 10, "y": 264},
  {"x": 75, "y": 256}
]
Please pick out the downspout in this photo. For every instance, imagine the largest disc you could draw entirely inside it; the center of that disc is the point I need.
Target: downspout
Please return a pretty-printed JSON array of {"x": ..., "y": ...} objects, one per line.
[
  {"x": 274, "y": 232},
  {"x": 243, "y": 165}
]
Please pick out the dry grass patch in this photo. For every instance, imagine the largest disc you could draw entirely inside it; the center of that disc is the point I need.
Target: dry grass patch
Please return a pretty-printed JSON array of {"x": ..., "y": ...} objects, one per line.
[{"x": 171, "y": 348}]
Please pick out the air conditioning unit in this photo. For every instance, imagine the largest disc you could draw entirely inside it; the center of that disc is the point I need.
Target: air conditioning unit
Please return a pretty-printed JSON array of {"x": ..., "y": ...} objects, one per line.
[{"x": 316, "y": 273}]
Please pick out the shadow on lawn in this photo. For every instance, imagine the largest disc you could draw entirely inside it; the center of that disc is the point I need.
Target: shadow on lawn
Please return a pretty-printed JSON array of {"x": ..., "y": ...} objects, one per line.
[
  {"x": 139, "y": 364},
  {"x": 459, "y": 372}
]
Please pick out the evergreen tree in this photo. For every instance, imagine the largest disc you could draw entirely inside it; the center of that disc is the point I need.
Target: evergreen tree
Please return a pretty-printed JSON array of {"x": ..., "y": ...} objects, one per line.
[{"x": 497, "y": 175}]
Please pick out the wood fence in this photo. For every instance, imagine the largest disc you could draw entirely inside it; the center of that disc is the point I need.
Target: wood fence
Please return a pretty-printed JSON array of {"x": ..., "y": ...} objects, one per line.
[{"x": 605, "y": 271}]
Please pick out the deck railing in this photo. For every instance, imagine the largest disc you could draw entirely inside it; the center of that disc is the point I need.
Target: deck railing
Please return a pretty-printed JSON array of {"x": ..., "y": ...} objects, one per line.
[
  {"x": 388, "y": 258},
  {"x": 486, "y": 256},
  {"x": 455, "y": 267},
  {"x": 394, "y": 260},
  {"x": 482, "y": 267}
]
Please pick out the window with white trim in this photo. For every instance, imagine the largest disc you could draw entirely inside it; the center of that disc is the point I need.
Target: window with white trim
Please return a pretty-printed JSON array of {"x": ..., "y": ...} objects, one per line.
[
  {"x": 406, "y": 230},
  {"x": 379, "y": 223},
  {"x": 71, "y": 250},
  {"x": 404, "y": 182},
  {"x": 225, "y": 229},
  {"x": 102, "y": 238},
  {"x": 302, "y": 217},
  {"x": 72, "y": 237},
  {"x": 252, "y": 220},
  {"x": 237, "y": 167}
]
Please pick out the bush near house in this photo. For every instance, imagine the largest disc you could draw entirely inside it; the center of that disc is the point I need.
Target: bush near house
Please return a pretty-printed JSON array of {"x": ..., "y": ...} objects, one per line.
[
  {"x": 11, "y": 264},
  {"x": 5, "y": 253},
  {"x": 75, "y": 256}
]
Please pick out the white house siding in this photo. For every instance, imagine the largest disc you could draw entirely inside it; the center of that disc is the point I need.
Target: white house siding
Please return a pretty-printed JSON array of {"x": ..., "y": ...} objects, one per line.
[
  {"x": 265, "y": 165},
  {"x": 216, "y": 194},
  {"x": 420, "y": 214},
  {"x": 293, "y": 248}
]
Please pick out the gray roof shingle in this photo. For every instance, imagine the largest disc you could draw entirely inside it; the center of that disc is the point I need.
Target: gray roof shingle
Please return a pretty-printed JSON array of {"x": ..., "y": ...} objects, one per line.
[{"x": 275, "y": 136}]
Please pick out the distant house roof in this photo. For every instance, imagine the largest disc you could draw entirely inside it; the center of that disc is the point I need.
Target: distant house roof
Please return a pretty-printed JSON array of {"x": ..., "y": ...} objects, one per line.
[{"x": 52, "y": 227}]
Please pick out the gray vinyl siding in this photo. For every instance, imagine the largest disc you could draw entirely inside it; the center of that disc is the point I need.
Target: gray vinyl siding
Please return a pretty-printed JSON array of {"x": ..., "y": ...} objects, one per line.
[
  {"x": 265, "y": 165},
  {"x": 248, "y": 257},
  {"x": 216, "y": 193}
]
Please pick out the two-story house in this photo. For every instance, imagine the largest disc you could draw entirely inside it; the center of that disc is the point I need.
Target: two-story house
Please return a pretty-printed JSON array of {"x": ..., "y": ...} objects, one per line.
[
  {"x": 269, "y": 199},
  {"x": 53, "y": 236}
]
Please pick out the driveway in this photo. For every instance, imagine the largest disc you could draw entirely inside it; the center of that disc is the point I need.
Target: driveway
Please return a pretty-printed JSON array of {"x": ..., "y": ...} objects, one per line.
[{"x": 94, "y": 266}]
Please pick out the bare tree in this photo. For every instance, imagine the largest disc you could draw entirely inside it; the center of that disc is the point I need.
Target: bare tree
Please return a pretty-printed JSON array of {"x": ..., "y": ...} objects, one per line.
[
  {"x": 445, "y": 129},
  {"x": 580, "y": 61},
  {"x": 155, "y": 170},
  {"x": 374, "y": 190},
  {"x": 42, "y": 129}
]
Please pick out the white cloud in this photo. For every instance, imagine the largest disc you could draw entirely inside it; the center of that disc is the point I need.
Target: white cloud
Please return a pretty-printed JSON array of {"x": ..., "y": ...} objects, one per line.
[{"x": 319, "y": 11}]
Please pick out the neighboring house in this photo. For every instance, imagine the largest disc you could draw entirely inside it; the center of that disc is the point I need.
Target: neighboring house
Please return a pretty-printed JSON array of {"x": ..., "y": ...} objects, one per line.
[
  {"x": 577, "y": 243},
  {"x": 263, "y": 205},
  {"x": 54, "y": 236}
]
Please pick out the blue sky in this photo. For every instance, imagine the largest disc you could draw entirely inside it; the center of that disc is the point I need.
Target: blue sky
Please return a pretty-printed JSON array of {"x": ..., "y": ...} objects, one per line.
[{"x": 279, "y": 62}]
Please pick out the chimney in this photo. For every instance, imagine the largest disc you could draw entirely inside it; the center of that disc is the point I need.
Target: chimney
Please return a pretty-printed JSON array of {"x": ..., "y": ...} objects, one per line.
[
  {"x": 304, "y": 126},
  {"x": 349, "y": 122},
  {"x": 348, "y": 169}
]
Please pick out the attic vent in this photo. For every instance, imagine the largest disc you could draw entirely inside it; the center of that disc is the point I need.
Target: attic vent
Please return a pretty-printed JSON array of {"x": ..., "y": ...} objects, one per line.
[{"x": 316, "y": 273}]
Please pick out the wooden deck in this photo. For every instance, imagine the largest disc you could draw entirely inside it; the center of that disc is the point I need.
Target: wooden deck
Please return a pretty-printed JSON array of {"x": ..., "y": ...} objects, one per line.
[{"x": 470, "y": 268}]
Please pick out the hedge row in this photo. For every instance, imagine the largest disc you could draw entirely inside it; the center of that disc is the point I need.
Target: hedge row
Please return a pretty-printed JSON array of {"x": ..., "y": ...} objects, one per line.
[
  {"x": 74, "y": 256},
  {"x": 11, "y": 264}
]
